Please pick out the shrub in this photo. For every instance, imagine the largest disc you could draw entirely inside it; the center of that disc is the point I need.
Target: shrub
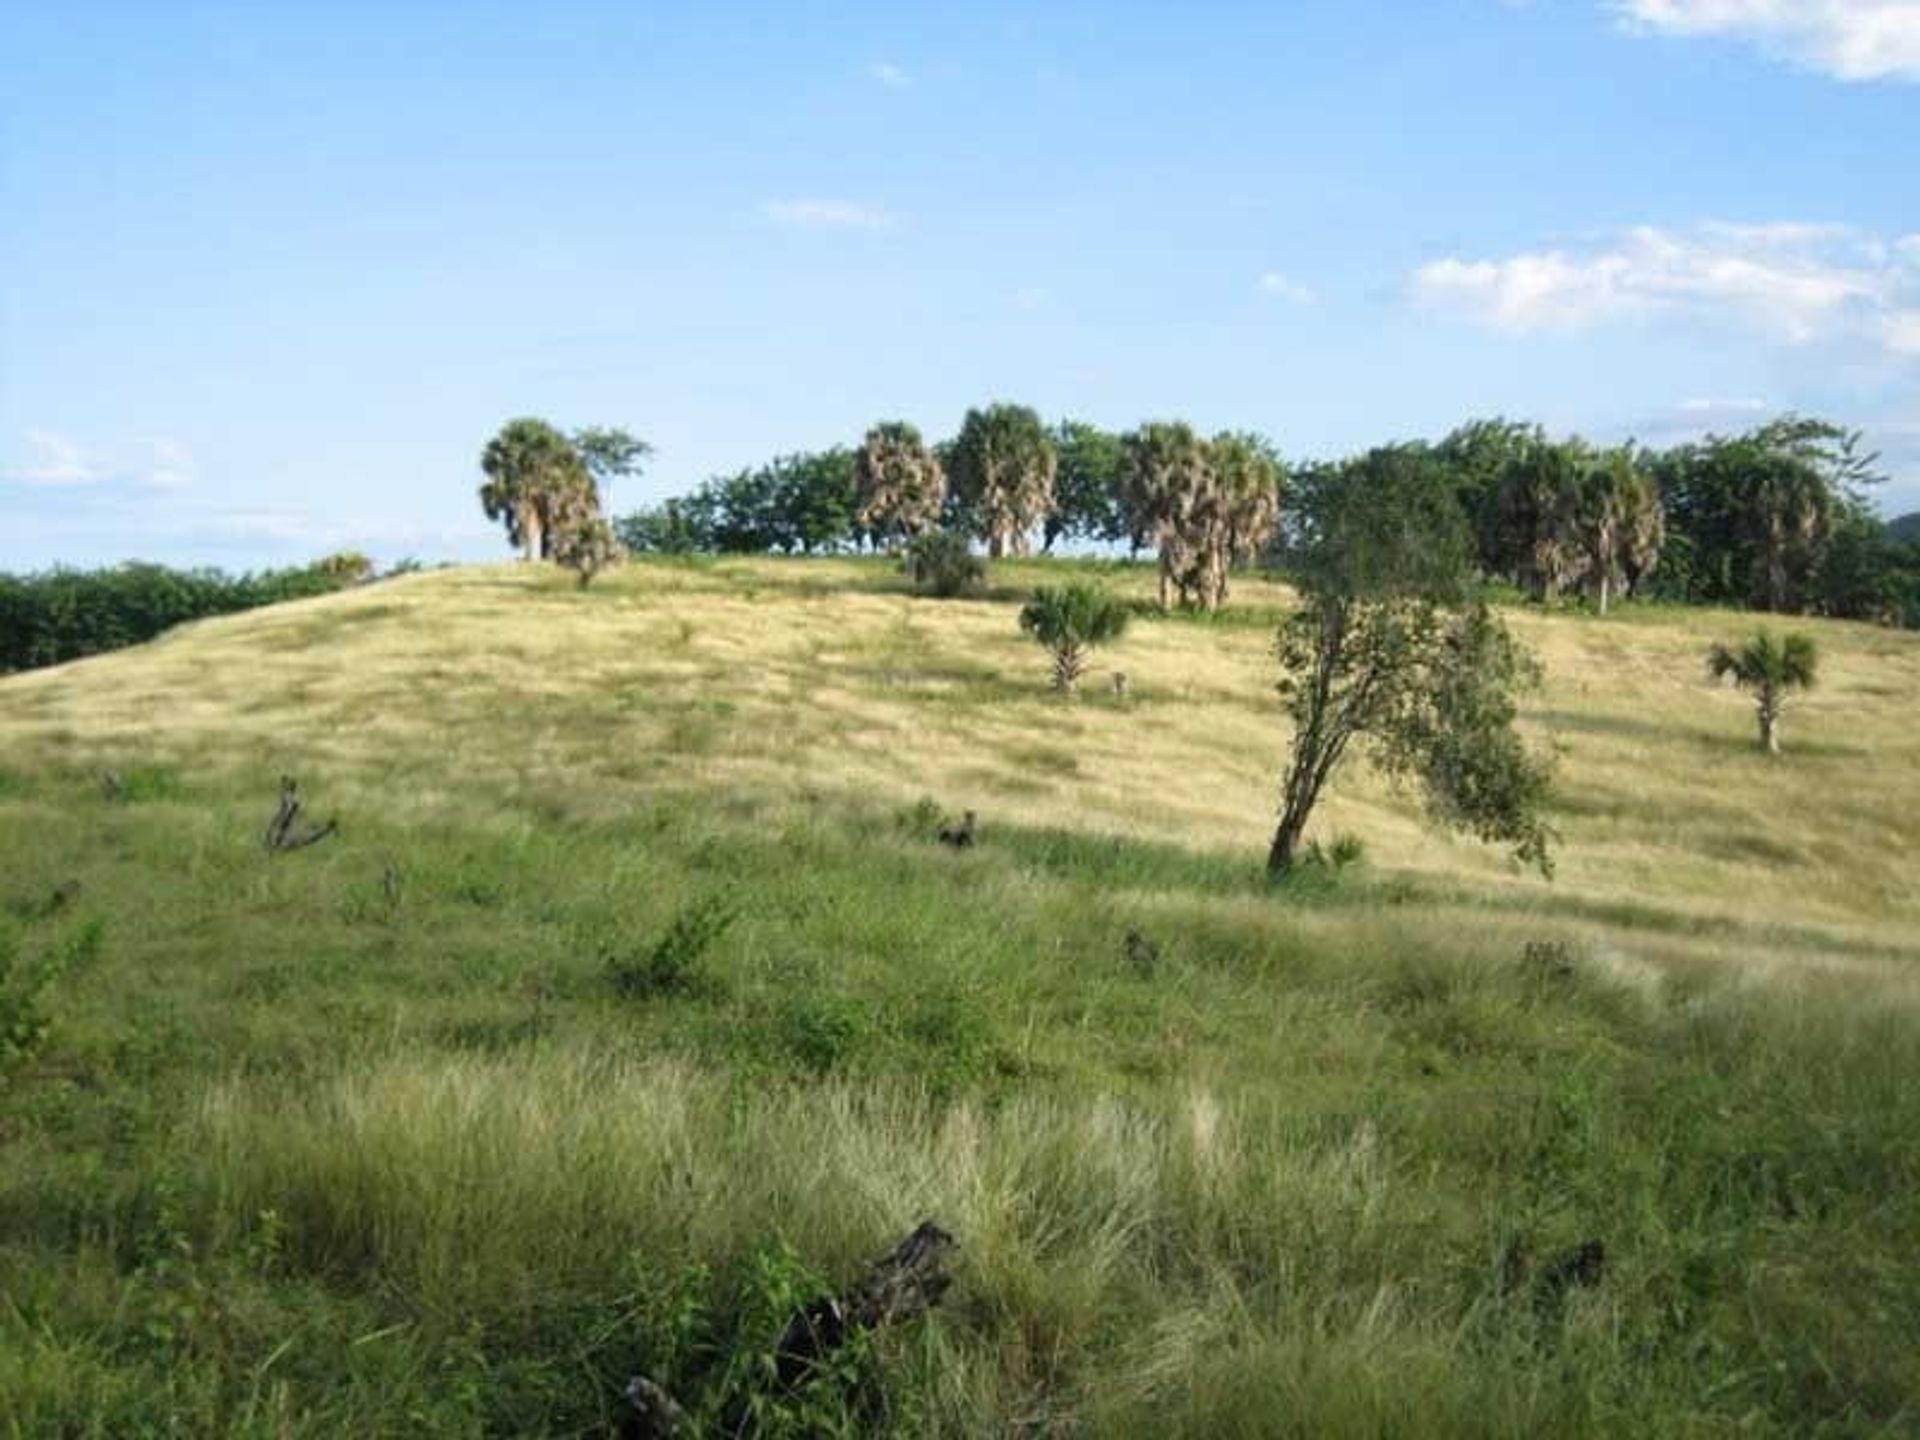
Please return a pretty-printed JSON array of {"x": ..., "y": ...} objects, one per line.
[
  {"x": 1070, "y": 620},
  {"x": 942, "y": 563},
  {"x": 672, "y": 964},
  {"x": 24, "y": 1019}
]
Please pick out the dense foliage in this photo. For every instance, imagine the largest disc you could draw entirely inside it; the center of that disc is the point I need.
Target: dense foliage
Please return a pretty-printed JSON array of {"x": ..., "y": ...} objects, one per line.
[
  {"x": 61, "y": 615},
  {"x": 941, "y": 563},
  {"x": 1778, "y": 518}
]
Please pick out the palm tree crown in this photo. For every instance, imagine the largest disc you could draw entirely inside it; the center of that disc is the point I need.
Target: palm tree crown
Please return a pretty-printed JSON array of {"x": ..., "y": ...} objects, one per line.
[
  {"x": 1769, "y": 666},
  {"x": 1069, "y": 620},
  {"x": 1766, "y": 660}
]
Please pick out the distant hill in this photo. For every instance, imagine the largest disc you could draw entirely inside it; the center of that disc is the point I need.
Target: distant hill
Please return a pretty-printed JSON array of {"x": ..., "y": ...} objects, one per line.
[{"x": 1905, "y": 527}]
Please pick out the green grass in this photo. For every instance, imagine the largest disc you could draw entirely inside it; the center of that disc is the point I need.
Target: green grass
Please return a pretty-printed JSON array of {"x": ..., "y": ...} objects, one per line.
[{"x": 453, "y": 1122}]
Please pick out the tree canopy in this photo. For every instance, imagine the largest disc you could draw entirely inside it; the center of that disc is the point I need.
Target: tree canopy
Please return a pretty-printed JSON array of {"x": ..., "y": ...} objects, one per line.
[
  {"x": 1002, "y": 468},
  {"x": 899, "y": 484},
  {"x": 1390, "y": 647}
]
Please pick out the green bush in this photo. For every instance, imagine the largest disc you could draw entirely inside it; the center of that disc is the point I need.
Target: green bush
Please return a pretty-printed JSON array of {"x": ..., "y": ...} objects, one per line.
[
  {"x": 24, "y": 1018},
  {"x": 672, "y": 964},
  {"x": 941, "y": 563}
]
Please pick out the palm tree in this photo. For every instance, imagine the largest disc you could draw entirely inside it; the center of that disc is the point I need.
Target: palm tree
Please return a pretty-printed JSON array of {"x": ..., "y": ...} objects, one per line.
[
  {"x": 1532, "y": 513},
  {"x": 536, "y": 483},
  {"x": 1070, "y": 620},
  {"x": 899, "y": 483},
  {"x": 1247, "y": 481},
  {"x": 1770, "y": 668},
  {"x": 1004, "y": 465},
  {"x": 1167, "y": 490},
  {"x": 1614, "y": 523},
  {"x": 1790, "y": 516}
]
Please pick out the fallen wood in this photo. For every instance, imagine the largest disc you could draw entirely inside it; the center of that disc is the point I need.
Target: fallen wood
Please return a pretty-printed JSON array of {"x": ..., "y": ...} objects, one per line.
[
  {"x": 908, "y": 1282},
  {"x": 898, "y": 1287},
  {"x": 656, "y": 1415},
  {"x": 283, "y": 832}
]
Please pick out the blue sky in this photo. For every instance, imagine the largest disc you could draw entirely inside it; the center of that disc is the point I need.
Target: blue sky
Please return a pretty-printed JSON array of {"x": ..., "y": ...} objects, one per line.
[{"x": 270, "y": 274}]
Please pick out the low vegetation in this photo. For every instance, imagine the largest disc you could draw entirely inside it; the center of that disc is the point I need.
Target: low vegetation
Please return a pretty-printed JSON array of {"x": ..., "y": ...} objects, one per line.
[{"x": 636, "y": 1001}]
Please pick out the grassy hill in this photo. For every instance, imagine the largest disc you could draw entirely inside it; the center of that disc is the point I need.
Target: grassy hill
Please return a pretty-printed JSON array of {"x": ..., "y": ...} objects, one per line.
[{"x": 445, "y": 1126}]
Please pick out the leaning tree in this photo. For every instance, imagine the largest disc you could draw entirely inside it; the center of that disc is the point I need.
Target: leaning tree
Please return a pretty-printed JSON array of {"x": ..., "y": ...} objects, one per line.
[
  {"x": 1769, "y": 667},
  {"x": 1390, "y": 647},
  {"x": 1070, "y": 620},
  {"x": 537, "y": 485},
  {"x": 1003, "y": 469},
  {"x": 899, "y": 484}
]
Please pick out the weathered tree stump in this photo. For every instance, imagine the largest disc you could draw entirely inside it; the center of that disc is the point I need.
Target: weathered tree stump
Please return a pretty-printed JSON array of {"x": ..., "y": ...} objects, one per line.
[{"x": 284, "y": 831}]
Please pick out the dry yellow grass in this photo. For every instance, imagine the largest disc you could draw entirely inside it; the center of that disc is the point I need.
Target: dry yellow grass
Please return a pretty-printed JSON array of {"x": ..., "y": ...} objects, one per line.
[{"x": 796, "y": 682}]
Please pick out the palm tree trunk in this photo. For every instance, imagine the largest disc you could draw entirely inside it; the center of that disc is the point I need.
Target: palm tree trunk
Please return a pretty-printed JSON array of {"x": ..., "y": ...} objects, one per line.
[
  {"x": 1067, "y": 664},
  {"x": 1769, "y": 721}
]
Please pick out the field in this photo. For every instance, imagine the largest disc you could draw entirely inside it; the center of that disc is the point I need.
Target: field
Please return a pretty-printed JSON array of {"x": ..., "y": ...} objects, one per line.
[{"x": 445, "y": 1126}]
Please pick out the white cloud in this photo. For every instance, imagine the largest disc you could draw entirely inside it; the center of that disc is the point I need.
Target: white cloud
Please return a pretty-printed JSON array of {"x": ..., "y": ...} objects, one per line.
[
  {"x": 1745, "y": 405},
  {"x": 826, "y": 215},
  {"x": 54, "y": 460},
  {"x": 1903, "y": 332},
  {"x": 58, "y": 460},
  {"x": 170, "y": 467},
  {"x": 1273, "y": 282},
  {"x": 1847, "y": 39},
  {"x": 889, "y": 75},
  {"x": 1795, "y": 282}
]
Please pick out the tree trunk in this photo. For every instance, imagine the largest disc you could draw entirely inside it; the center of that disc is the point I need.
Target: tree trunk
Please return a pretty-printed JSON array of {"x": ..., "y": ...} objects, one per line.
[
  {"x": 1769, "y": 722},
  {"x": 1604, "y": 579},
  {"x": 1067, "y": 664},
  {"x": 1286, "y": 839}
]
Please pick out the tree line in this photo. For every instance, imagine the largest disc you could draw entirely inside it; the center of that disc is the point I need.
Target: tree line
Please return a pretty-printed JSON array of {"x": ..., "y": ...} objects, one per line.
[
  {"x": 61, "y": 615},
  {"x": 1777, "y": 518}
]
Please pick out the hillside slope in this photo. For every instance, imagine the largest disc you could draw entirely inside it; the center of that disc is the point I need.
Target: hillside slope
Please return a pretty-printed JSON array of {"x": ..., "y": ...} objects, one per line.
[{"x": 634, "y": 990}]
